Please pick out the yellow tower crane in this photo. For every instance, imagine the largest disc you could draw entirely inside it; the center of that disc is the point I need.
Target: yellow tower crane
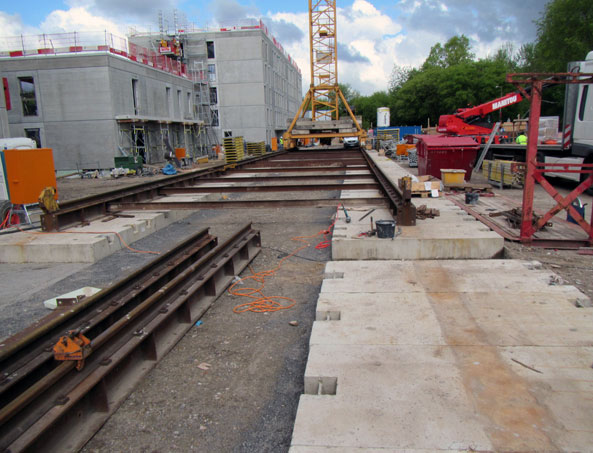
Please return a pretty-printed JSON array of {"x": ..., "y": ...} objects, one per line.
[{"x": 324, "y": 95}]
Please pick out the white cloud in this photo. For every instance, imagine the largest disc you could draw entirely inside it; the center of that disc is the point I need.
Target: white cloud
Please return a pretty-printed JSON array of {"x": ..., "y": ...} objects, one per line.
[
  {"x": 12, "y": 25},
  {"x": 362, "y": 28},
  {"x": 79, "y": 19},
  {"x": 371, "y": 41}
]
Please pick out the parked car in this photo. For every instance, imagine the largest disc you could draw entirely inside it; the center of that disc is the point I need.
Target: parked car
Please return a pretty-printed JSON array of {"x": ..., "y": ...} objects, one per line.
[{"x": 350, "y": 142}]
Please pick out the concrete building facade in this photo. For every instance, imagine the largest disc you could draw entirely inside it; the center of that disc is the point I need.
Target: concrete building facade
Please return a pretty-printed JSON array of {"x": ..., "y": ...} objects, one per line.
[
  {"x": 94, "y": 103},
  {"x": 254, "y": 85},
  {"x": 93, "y": 107}
]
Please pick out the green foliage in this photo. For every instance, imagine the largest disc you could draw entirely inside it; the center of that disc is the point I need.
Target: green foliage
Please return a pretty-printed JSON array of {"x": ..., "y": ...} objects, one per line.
[
  {"x": 367, "y": 107},
  {"x": 451, "y": 78},
  {"x": 350, "y": 94},
  {"x": 399, "y": 76},
  {"x": 456, "y": 50},
  {"x": 564, "y": 34},
  {"x": 435, "y": 91}
]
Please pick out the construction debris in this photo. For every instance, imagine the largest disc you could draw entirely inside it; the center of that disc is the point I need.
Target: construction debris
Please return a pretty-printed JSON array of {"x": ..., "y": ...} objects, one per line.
[
  {"x": 423, "y": 212},
  {"x": 514, "y": 217}
]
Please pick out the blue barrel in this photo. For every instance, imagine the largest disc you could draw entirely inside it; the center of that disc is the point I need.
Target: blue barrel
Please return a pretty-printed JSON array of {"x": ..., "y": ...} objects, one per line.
[{"x": 579, "y": 207}]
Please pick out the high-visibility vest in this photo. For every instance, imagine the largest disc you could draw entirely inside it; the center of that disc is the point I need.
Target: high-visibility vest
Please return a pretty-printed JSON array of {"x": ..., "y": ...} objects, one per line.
[{"x": 521, "y": 140}]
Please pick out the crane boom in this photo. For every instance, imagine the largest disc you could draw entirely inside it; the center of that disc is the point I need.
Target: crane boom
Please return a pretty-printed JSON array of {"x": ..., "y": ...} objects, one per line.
[{"x": 470, "y": 121}]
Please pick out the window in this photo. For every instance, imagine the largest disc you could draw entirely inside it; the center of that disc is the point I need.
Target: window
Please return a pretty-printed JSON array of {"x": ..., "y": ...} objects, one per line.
[
  {"x": 583, "y": 102},
  {"x": 189, "y": 107},
  {"x": 179, "y": 103},
  {"x": 135, "y": 96},
  {"x": 28, "y": 96},
  {"x": 212, "y": 72},
  {"x": 213, "y": 95},
  {"x": 168, "y": 99},
  {"x": 6, "y": 93},
  {"x": 34, "y": 134},
  {"x": 215, "y": 122},
  {"x": 210, "y": 48}
]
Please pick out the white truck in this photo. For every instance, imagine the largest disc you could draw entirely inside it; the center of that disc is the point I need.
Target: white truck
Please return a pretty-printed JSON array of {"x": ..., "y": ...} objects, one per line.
[
  {"x": 577, "y": 143},
  {"x": 577, "y": 132}
]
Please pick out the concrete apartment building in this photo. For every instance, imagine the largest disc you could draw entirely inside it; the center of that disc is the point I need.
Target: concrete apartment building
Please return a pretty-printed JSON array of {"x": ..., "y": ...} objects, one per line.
[
  {"x": 254, "y": 86},
  {"x": 93, "y": 103},
  {"x": 90, "y": 107}
]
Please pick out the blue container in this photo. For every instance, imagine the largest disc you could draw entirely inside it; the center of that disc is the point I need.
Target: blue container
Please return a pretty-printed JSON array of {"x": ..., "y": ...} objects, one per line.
[{"x": 579, "y": 207}]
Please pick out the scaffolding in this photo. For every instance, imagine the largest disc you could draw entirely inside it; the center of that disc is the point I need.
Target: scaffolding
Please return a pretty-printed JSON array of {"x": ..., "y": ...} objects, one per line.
[{"x": 206, "y": 138}]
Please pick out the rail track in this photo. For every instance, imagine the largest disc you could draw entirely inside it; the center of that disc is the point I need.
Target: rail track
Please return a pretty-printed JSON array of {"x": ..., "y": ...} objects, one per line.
[
  {"x": 51, "y": 404},
  {"x": 57, "y": 405},
  {"x": 310, "y": 170}
]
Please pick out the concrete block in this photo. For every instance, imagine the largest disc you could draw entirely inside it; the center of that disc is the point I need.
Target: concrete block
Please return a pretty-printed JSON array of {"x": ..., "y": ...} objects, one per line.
[
  {"x": 85, "y": 244},
  {"x": 394, "y": 396},
  {"x": 447, "y": 355},
  {"x": 451, "y": 235}
]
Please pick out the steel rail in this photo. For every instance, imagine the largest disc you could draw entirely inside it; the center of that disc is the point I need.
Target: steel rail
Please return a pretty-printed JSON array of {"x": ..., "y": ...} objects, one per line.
[
  {"x": 65, "y": 407},
  {"x": 145, "y": 279},
  {"x": 400, "y": 201},
  {"x": 308, "y": 163},
  {"x": 244, "y": 204},
  {"x": 143, "y": 197},
  {"x": 267, "y": 188},
  {"x": 30, "y": 351},
  {"x": 266, "y": 179},
  {"x": 298, "y": 169},
  {"x": 83, "y": 210}
]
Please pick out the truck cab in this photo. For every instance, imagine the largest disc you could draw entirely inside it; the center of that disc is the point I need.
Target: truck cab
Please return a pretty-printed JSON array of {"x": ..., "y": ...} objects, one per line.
[{"x": 578, "y": 113}]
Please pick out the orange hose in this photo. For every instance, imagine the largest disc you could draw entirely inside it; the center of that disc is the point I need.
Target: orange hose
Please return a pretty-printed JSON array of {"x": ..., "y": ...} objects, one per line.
[{"x": 260, "y": 302}]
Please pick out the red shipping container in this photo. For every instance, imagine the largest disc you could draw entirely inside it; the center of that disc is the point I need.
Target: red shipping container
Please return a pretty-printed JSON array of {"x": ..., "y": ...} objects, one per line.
[{"x": 441, "y": 151}]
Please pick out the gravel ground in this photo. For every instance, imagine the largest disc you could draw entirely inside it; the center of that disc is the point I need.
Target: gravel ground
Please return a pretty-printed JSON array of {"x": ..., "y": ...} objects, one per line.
[{"x": 247, "y": 398}]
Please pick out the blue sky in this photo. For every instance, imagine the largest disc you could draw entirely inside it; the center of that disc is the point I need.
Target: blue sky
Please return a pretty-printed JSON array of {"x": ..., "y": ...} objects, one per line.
[{"x": 373, "y": 35}]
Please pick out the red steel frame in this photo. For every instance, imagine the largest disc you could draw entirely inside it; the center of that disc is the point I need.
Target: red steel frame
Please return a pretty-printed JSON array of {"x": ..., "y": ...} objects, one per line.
[{"x": 535, "y": 170}]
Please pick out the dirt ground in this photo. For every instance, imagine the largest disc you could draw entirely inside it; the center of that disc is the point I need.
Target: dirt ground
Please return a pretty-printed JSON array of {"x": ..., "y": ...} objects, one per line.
[
  {"x": 573, "y": 268},
  {"x": 246, "y": 398}
]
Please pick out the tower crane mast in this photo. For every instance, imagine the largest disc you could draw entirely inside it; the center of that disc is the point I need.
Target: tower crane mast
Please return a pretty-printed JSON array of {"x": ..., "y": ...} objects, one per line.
[{"x": 324, "y": 95}]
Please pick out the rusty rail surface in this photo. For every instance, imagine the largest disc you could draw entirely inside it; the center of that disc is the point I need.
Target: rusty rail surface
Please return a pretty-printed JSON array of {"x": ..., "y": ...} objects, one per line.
[
  {"x": 83, "y": 210},
  {"x": 47, "y": 405},
  {"x": 400, "y": 201},
  {"x": 308, "y": 168}
]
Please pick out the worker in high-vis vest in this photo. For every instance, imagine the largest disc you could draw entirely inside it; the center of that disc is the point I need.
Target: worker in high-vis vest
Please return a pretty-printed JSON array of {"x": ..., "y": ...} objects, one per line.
[
  {"x": 521, "y": 139},
  {"x": 281, "y": 142}
]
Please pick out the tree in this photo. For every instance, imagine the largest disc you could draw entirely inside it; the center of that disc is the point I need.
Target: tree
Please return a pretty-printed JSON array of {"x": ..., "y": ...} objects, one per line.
[
  {"x": 399, "y": 76},
  {"x": 367, "y": 107},
  {"x": 564, "y": 33},
  {"x": 350, "y": 94},
  {"x": 436, "y": 91},
  {"x": 456, "y": 50}
]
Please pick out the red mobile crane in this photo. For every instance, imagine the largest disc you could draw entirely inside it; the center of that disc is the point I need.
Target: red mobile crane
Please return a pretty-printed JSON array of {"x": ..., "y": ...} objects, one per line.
[{"x": 471, "y": 121}]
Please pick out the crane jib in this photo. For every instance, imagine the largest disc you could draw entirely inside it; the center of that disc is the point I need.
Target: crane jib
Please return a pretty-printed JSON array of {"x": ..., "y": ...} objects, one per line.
[{"x": 504, "y": 102}]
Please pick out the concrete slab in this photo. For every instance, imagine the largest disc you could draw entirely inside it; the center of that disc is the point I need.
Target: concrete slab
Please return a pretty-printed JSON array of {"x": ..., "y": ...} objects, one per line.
[
  {"x": 447, "y": 355},
  {"x": 452, "y": 235},
  {"x": 85, "y": 244}
]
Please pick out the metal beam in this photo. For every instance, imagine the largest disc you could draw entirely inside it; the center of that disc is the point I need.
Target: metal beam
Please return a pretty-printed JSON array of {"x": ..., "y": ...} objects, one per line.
[
  {"x": 244, "y": 204},
  {"x": 270, "y": 188}
]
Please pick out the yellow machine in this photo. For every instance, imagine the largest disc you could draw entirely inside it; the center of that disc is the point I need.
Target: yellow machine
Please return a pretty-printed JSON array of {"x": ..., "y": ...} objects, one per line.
[{"x": 324, "y": 94}]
